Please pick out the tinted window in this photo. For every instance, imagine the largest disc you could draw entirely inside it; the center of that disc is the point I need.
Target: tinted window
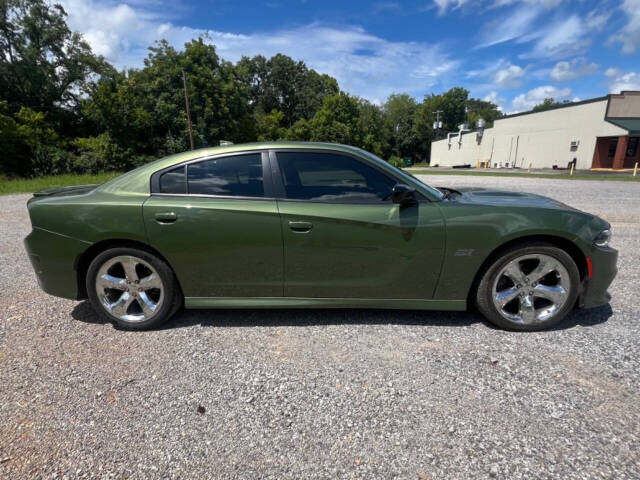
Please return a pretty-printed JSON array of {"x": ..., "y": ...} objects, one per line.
[
  {"x": 173, "y": 181},
  {"x": 332, "y": 178},
  {"x": 632, "y": 147},
  {"x": 239, "y": 176}
]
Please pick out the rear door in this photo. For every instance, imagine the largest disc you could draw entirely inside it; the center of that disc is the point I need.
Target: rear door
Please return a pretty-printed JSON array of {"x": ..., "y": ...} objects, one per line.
[
  {"x": 343, "y": 236},
  {"x": 216, "y": 222}
]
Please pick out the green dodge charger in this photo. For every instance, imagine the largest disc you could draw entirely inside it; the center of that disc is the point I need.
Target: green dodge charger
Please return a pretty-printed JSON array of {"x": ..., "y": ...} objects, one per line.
[{"x": 312, "y": 225}]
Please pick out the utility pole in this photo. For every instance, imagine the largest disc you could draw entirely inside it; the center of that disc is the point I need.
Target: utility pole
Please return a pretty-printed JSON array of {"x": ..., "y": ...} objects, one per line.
[
  {"x": 437, "y": 125},
  {"x": 186, "y": 103}
]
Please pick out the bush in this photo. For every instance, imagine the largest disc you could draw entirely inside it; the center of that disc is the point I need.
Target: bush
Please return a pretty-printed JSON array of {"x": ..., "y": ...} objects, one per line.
[
  {"x": 98, "y": 154},
  {"x": 396, "y": 161}
]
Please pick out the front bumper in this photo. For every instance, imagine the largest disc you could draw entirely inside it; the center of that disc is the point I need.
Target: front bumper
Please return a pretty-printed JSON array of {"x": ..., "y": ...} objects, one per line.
[
  {"x": 53, "y": 257},
  {"x": 594, "y": 289}
]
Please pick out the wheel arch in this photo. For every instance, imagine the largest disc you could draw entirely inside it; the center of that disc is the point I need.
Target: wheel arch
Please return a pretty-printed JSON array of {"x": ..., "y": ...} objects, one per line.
[
  {"x": 563, "y": 243},
  {"x": 84, "y": 260}
]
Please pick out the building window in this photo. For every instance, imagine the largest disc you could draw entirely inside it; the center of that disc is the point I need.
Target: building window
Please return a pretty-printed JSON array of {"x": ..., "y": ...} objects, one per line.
[
  {"x": 632, "y": 146},
  {"x": 613, "y": 144}
]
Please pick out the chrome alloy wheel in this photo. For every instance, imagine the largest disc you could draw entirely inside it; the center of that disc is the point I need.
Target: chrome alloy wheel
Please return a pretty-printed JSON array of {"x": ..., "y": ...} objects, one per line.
[
  {"x": 129, "y": 288},
  {"x": 531, "y": 289}
]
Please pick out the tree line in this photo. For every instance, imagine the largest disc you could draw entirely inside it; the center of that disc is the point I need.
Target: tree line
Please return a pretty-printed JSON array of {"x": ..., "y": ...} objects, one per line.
[{"x": 64, "y": 109}]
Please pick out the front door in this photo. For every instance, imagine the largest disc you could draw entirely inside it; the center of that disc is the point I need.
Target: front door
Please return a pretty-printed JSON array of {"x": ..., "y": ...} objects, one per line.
[
  {"x": 344, "y": 238},
  {"x": 217, "y": 227}
]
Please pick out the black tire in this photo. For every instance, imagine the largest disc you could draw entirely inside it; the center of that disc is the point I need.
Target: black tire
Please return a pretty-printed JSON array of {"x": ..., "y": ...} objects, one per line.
[
  {"x": 484, "y": 295},
  {"x": 172, "y": 298}
]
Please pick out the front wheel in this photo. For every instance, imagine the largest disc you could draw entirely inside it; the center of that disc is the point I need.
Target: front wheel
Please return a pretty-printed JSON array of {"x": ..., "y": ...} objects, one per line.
[
  {"x": 529, "y": 287},
  {"x": 132, "y": 288}
]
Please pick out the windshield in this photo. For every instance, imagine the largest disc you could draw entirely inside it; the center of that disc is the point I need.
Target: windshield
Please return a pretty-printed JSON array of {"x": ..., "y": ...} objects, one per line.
[{"x": 436, "y": 193}]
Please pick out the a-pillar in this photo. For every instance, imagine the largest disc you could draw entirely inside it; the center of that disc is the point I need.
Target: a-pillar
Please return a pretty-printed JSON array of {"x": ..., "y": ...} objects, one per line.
[{"x": 621, "y": 152}]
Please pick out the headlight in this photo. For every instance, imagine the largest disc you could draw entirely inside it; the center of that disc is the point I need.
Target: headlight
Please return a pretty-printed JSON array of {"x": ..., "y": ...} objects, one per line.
[{"x": 603, "y": 238}]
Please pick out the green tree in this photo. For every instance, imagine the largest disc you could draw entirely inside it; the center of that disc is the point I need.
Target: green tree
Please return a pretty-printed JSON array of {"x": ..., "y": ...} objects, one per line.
[
  {"x": 337, "y": 121},
  {"x": 45, "y": 70},
  {"x": 270, "y": 126},
  {"x": 375, "y": 129},
  {"x": 400, "y": 110},
  {"x": 549, "y": 104},
  {"x": 283, "y": 84},
  {"x": 144, "y": 110},
  {"x": 481, "y": 109}
]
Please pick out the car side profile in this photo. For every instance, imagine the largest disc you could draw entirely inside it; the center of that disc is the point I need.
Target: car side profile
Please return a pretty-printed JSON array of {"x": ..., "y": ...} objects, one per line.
[{"x": 306, "y": 225}]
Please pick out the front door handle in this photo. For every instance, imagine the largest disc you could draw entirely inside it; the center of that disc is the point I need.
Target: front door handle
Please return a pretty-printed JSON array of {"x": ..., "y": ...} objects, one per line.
[
  {"x": 300, "y": 227},
  {"x": 166, "y": 217}
]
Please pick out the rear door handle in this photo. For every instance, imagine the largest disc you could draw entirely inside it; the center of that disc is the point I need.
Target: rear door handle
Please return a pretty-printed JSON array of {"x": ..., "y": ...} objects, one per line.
[
  {"x": 166, "y": 217},
  {"x": 300, "y": 227}
]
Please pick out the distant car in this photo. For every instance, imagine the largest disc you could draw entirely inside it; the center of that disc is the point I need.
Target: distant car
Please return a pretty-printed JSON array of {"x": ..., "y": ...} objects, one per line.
[{"x": 312, "y": 225}]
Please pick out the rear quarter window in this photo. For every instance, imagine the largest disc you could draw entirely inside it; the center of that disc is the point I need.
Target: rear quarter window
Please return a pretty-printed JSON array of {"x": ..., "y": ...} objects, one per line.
[{"x": 173, "y": 181}]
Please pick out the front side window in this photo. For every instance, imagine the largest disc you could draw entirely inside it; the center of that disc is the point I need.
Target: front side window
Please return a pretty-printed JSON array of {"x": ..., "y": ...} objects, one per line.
[
  {"x": 238, "y": 176},
  {"x": 332, "y": 178}
]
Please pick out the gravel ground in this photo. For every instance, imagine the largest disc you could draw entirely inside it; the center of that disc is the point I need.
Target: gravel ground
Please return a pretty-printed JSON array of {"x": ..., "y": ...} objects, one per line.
[{"x": 322, "y": 394}]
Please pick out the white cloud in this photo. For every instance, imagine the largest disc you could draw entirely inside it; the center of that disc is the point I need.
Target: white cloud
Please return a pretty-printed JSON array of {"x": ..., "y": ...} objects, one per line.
[
  {"x": 544, "y": 3},
  {"x": 494, "y": 98},
  {"x": 444, "y": 5},
  {"x": 618, "y": 80},
  {"x": 566, "y": 37},
  {"x": 364, "y": 64},
  {"x": 509, "y": 77},
  {"x": 629, "y": 36},
  {"x": 578, "y": 67},
  {"x": 526, "y": 101},
  {"x": 510, "y": 26}
]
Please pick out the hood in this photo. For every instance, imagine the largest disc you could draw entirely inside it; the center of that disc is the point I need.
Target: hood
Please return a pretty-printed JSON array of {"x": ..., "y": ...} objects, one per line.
[{"x": 503, "y": 198}]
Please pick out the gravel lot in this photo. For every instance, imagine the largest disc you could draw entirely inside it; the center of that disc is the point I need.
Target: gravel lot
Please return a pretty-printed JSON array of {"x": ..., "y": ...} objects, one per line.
[{"x": 323, "y": 394}]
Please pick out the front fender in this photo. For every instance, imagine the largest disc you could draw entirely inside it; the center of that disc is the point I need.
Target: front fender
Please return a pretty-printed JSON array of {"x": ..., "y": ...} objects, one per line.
[{"x": 474, "y": 232}]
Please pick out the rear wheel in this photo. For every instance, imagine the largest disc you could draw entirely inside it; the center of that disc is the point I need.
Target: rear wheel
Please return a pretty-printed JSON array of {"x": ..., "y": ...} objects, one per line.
[
  {"x": 529, "y": 287},
  {"x": 132, "y": 288}
]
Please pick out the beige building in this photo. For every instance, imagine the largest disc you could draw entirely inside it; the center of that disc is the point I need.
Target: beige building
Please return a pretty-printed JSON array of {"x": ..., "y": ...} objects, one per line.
[{"x": 598, "y": 133}]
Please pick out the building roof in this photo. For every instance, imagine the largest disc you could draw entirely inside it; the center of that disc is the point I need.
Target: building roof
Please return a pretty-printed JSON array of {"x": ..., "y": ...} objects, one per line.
[{"x": 557, "y": 107}]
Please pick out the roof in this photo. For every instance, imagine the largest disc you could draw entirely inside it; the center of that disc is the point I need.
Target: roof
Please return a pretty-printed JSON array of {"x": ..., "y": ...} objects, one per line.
[
  {"x": 136, "y": 182},
  {"x": 557, "y": 107}
]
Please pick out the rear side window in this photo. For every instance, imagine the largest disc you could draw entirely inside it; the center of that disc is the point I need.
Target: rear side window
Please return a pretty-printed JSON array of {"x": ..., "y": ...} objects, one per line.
[
  {"x": 239, "y": 176},
  {"x": 173, "y": 181},
  {"x": 332, "y": 178}
]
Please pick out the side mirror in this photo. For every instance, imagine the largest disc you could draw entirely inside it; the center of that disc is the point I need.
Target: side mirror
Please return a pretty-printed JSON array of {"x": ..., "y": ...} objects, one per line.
[{"x": 403, "y": 195}]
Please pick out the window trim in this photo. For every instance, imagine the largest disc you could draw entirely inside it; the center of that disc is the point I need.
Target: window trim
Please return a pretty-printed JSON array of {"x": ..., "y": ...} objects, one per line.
[
  {"x": 266, "y": 177},
  {"x": 281, "y": 194}
]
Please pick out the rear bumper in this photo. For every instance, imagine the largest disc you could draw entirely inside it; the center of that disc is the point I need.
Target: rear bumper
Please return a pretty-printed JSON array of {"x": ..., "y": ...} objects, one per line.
[
  {"x": 53, "y": 257},
  {"x": 594, "y": 290}
]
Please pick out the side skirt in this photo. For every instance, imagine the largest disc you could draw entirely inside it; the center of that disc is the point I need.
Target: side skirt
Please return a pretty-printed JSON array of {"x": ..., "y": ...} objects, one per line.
[{"x": 289, "y": 302}]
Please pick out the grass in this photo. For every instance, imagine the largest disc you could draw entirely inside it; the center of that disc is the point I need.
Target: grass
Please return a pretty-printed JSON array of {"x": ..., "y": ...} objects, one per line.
[
  {"x": 28, "y": 185},
  {"x": 556, "y": 176}
]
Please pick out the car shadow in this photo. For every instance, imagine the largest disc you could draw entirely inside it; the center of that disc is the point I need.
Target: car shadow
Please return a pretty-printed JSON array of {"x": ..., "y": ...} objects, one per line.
[{"x": 239, "y": 318}]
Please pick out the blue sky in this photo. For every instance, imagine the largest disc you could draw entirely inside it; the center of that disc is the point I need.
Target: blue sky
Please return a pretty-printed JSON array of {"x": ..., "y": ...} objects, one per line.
[{"x": 512, "y": 52}]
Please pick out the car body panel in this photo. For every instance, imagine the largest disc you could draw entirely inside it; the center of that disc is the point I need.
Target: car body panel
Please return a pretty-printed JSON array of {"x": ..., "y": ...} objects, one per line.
[
  {"x": 292, "y": 302},
  {"x": 362, "y": 251},
  {"x": 382, "y": 256},
  {"x": 52, "y": 256},
  {"x": 219, "y": 246}
]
